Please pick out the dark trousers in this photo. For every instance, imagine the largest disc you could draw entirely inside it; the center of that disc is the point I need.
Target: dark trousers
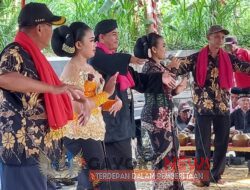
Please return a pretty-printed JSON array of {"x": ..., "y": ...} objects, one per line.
[
  {"x": 221, "y": 126},
  {"x": 93, "y": 153},
  {"x": 119, "y": 157},
  {"x": 26, "y": 176}
]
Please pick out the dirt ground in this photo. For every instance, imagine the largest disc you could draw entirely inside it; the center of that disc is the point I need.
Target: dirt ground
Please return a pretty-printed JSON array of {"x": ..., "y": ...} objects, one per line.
[{"x": 235, "y": 178}]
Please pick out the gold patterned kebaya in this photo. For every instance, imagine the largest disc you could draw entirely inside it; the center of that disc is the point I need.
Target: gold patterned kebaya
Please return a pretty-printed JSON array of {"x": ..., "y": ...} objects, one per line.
[{"x": 92, "y": 84}]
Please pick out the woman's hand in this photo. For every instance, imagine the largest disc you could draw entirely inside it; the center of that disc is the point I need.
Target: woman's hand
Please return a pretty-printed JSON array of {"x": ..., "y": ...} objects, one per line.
[
  {"x": 110, "y": 84},
  {"x": 117, "y": 106},
  {"x": 168, "y": 80},
  {"x": 86, "y": 106}
]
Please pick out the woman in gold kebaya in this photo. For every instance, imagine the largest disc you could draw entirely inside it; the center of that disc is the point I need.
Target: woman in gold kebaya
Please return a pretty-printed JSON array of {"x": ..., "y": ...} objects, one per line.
[{"x": 77, "y": 41}]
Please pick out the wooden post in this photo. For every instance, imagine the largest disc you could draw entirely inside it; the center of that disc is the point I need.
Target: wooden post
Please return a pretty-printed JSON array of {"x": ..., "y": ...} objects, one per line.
[{"x": 152, "y": 15}]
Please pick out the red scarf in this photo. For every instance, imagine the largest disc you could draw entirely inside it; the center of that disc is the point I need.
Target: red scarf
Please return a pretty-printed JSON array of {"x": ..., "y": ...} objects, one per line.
[
  {"x": 58, "y": 107},
  {"x": 225, "y": 68},
  {"x": 125, "y": 81}
]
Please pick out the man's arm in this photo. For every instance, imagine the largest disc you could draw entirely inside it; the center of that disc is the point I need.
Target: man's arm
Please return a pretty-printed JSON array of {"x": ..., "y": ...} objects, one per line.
[
  {"x": 186, "y": 65},
  {"x": 239, "y": 66},
  {"x": 14, "y": 81},
  {"x": 12, "y": 77},
  {"x": 109, "y": 64},
  {"x": 112, "y": 63},
  {"x": 147, "y": 83},
  {"x": 152, "y": 82}
]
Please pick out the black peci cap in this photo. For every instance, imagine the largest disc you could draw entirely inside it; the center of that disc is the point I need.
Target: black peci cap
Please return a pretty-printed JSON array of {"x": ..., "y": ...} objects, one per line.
[
  {"x": 104, "y": 27},
  {"x": 242, "y": 92}
]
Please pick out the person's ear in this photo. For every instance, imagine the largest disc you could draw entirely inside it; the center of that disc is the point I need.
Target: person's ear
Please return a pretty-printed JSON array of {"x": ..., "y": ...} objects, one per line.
[
  {"x": 78, "y": 45},
  {"x": 153, "y": 49},
  {"x": 38, "y": 29},
  {"x": 101, "y": 36}
]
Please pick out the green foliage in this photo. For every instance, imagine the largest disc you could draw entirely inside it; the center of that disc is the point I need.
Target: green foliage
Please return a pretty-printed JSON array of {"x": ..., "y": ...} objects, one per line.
[
  {"x": 8, "y": 21},
  {"x": 183, "y": 22}
]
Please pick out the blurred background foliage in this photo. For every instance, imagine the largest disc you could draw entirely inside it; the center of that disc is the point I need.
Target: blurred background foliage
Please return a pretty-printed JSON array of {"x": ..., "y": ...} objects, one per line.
[{"x": 183, "y": 23}]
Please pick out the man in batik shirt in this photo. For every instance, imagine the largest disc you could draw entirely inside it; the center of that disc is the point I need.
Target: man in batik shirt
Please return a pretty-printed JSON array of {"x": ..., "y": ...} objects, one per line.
[
  {"x": 26, "y": 113},
  {"x": 212, "y": 69}
]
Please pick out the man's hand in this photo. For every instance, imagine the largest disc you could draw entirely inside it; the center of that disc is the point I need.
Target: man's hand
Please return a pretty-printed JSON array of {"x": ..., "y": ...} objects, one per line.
[
  {"x": 168, "y": 80},
  {"x": 110, "y": 84},
  {"x": 175, "y": 63},
  {"x": 73, "y": 91},
  {"x": 116, "y": 106},
  {"x": 86, "y": 104},
  {"x": 136, "y": 60},
  {"x": 19, "y": 83}
]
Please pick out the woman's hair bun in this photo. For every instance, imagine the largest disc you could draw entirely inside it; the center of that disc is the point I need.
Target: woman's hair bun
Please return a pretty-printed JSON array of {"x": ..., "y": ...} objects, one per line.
[
  {"x": 62, "y": 42},
  {"x": 141, "y": 47}
]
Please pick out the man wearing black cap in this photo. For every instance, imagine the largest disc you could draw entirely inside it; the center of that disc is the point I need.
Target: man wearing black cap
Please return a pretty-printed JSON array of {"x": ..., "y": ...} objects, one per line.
[
  {"x": 27, "y": 113},
  {"x": 121, "y": 128},
  {"x": 231, "y": 45},
  {"x": 212, "y": 69},
  {"x": 240, "y": 118}
]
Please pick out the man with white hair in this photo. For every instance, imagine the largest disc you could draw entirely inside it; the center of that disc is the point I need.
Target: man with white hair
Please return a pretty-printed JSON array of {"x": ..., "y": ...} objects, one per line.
[
  {"x": 240, "y": 118},
  {"x": 212, "y": 69}
]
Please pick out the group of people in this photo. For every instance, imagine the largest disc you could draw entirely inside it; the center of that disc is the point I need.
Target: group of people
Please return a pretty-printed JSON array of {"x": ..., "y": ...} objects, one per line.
[
  {"x": 88, "y": 109},
  {"x": 38, "y": 110}
]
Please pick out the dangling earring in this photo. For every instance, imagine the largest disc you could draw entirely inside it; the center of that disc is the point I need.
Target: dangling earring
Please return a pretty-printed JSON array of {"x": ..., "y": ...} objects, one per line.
[{"x": 149, "y": 53}]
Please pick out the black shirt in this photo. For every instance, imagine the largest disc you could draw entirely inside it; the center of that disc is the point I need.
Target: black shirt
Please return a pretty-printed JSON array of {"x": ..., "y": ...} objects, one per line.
[
  {"x": 122, "y": 126},
  {"x": 240, "y": 120}
]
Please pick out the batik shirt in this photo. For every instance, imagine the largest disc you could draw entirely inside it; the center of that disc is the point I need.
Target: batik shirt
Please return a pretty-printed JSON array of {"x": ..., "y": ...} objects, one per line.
[
  {"x": 24, "y": 127},
  {"x": 211, "y": 99}
]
